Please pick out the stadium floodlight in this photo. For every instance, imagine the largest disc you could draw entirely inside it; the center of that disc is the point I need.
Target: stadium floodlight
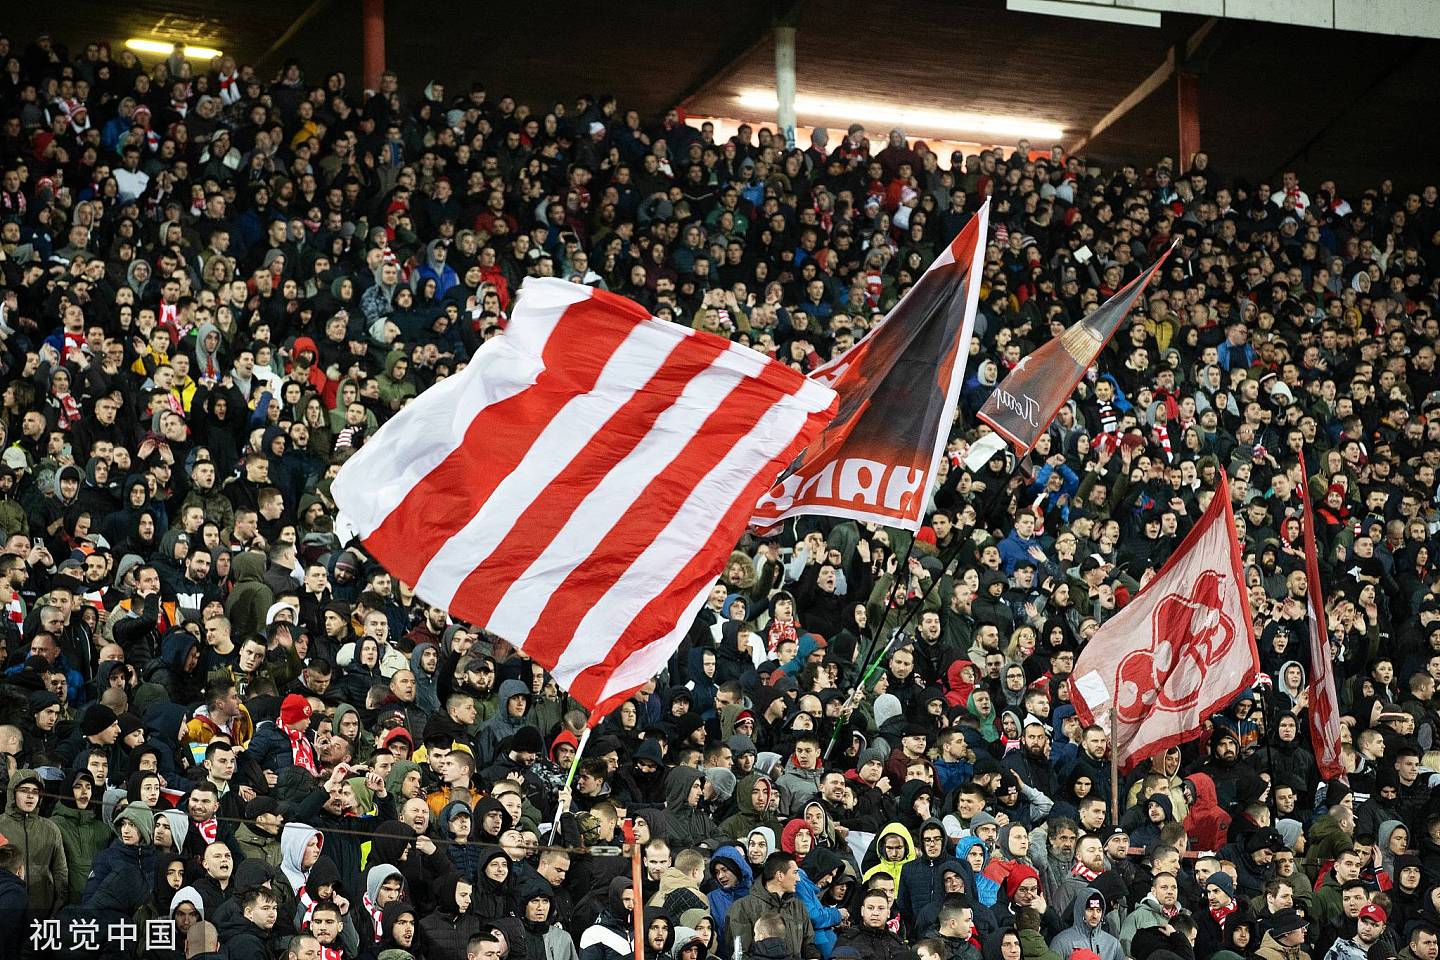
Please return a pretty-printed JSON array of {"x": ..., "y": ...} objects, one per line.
[
  {"x": 892, "y": 115},
  {"x": 167, "y": 47}
]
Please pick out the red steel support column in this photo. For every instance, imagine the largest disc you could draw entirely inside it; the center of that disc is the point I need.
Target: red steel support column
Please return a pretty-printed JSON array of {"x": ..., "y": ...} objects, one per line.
[
  {"x": 373, "y": 13},
  {"x": 1187, "y": 87}
]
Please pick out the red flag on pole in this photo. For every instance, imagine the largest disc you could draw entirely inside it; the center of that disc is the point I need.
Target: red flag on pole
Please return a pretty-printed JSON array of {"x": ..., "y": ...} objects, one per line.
[
  {"x": 1179, "y": 652},
  {"x": 898, "y": 389},
  {"x": 1023, "y": 405},
  {"x": 1324, "y": 709}
]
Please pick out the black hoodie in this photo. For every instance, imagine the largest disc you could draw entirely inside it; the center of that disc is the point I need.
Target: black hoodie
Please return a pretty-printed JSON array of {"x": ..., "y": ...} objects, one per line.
[
  {"x": 491, "y": 900},
  {"x": 446, "y": 931},
  {"x": 389, "y": 914},
  {"x": 688, "y": 824},
  {"x": 609, "y": 938},
  {"x": 639, "y": 789}
]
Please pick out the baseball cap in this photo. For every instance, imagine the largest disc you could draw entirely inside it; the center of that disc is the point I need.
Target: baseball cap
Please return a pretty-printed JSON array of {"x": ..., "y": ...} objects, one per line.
[{"x": 1373, "y": 912}]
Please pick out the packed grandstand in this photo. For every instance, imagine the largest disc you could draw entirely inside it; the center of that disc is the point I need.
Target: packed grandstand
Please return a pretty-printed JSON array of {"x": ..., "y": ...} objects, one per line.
[{"x": 227, "y": 732}]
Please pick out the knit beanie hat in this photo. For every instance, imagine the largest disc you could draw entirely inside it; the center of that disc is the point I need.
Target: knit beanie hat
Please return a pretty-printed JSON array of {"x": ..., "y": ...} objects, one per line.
[
  {"x": 1018, "y": 874},
  {"x": 722, "y": 780},
  {"x": 1222, "y": 880},
  {"x": 527, "y": 740},
  {"x": 868, "y": 754},
  {"x": 294, "y": 709},
  {"x": 97, "y": 720}
]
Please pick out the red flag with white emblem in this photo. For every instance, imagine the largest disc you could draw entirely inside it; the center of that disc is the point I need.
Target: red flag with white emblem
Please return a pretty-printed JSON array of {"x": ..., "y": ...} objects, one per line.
[
  {"x": 1179, "y": 652},
  {"x": 1324, "y": 710}
]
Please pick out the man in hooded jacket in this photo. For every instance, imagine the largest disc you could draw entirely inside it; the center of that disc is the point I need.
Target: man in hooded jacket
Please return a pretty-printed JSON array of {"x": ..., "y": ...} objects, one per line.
[
  {"x": 447, "y": 929},
  {"x": 688, "y": 824},
  {"x": 609, "y": 937},
  {"x": 250, "y": 599},
  {"x": 508, "y": 721},
  {"x": 47, "y": 874},
  {"x": 1087, "y": 931}
]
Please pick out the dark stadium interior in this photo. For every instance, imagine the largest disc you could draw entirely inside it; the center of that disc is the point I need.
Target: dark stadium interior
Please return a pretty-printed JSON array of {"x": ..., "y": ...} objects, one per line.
[{"x": 1330, "y": 102}]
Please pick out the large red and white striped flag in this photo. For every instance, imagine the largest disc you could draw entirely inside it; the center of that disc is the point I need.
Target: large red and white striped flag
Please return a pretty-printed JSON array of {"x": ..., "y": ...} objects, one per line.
[
  {"x": 579, "y": 486},
  {"x": 1324, "y": 707}
]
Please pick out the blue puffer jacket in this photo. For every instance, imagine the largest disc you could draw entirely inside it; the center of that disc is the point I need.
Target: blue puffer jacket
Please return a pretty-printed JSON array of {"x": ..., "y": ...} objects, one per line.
[{"x": 721, "y": 899}]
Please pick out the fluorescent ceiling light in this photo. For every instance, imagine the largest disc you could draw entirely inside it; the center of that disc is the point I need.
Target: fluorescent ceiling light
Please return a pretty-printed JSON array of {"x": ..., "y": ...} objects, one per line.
[
  {"x": 1106, "y": 12},
  {"x": 165, "y": 48},
  {"x": 893, "y": 116}
]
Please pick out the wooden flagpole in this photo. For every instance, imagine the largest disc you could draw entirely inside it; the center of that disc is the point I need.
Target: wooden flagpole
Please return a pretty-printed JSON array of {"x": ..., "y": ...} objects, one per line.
[{"x": 1114, "y": 769}]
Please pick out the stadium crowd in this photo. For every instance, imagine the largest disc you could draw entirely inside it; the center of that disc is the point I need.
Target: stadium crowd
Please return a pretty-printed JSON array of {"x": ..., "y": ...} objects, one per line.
[{"x": 216, "y": 285}]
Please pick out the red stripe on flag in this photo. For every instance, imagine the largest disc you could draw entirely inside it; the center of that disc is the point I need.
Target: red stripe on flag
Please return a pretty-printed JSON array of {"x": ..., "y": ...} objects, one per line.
[
  {"x": 557, "y": 503},
  {"x": 731, "y": 420},
  {"x": 660, "y": 615},
  {"x": 446, "y": 499}
]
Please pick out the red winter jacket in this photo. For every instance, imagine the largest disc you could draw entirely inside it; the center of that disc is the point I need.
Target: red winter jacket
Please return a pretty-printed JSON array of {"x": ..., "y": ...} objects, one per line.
[{"x": 1206, "y": 823}]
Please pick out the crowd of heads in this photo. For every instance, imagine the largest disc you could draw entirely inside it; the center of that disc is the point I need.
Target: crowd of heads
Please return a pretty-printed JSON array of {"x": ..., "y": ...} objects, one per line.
[{"x": 218, "y": 285}]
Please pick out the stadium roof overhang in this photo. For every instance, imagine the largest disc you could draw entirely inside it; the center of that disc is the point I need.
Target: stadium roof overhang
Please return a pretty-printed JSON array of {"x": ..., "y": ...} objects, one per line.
[{"x": 1271, "y": 96}]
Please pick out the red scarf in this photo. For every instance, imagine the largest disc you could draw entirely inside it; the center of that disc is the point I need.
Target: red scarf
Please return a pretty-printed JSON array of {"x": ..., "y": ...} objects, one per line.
[
  {"x": 1082, "y": 871},
  {"x": 1221, "y": 913},
  {"x": 330, "y": 953},
  {"x": 301, "y": 752},
  {"x": 69, "y": 409},
  {"x": 780, "y": 631},
  {"x": 208, "y": 829}
]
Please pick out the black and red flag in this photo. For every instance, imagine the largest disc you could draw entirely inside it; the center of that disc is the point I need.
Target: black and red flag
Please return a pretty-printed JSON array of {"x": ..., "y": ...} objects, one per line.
[
  {"x": 1023, "y": 405},
  {"x": 897, "y": 392}
]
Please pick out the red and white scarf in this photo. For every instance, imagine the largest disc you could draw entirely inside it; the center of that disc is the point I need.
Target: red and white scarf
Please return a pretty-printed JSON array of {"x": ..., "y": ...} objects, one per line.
[
  {"x": 229, "y": 88},
  {"x": 1083, "y": 872},
  {"x": 779, "y": 632},
  {"x": 69, "y": 409},
  {"x": 15, "y": 609},
  {"x": 209, "y": 829},
  {"x": 1162, "y": 436},
  {"x": 1219, "y": 914},
  {"x": 374, "y": 912},
  {"x": 301, "y": 752}
]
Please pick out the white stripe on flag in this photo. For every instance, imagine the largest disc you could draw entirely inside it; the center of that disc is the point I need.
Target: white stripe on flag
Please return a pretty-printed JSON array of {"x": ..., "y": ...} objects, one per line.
[
  {"x": 629, "y": 368},
  {"x": 646, "y": 662},
  {"x": 423, "y": 435},
  {"x": 612, "y": 498},
  {"x": 655, "y": 568}
]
